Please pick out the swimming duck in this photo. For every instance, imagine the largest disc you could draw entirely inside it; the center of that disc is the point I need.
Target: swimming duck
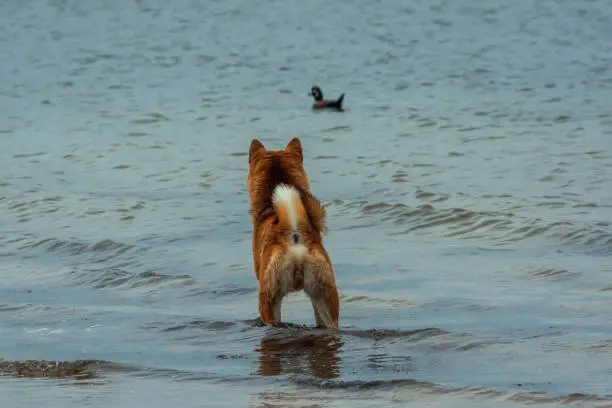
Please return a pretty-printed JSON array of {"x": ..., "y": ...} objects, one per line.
[{"x": 321, "y": 103}]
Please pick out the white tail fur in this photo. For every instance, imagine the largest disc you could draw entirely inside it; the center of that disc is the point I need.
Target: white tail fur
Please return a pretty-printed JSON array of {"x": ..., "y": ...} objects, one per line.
[{"x": 287, "y": 197}]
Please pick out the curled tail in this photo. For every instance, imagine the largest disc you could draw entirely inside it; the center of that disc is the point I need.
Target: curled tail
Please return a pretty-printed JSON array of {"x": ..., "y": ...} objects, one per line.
[{"x": 291, "y": 215}]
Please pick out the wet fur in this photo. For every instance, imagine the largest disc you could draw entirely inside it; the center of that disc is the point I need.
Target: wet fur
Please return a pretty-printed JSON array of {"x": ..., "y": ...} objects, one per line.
[{"x": 279, "y": 267}]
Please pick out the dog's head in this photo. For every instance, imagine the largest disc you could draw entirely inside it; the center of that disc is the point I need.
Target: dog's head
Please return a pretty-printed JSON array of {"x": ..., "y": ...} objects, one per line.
[{"x": 267, "y": 168}]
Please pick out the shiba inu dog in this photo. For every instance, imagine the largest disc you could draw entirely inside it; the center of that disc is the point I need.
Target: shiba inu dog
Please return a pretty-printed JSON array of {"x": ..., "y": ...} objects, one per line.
[{"x": 288, "y": 223}]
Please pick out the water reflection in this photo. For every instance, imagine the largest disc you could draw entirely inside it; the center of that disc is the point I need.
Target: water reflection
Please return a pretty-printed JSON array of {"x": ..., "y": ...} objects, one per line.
[{"x": 300, "y": 352}]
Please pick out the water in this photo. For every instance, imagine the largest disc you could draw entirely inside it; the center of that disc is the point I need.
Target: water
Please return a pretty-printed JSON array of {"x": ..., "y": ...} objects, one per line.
[{"x": 468, "y": 188}]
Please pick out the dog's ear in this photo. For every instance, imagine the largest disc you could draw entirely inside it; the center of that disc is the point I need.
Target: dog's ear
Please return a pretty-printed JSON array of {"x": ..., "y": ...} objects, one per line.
[
  {"x": 295, "y": 146},
  {"x": 256, "y": 147}
]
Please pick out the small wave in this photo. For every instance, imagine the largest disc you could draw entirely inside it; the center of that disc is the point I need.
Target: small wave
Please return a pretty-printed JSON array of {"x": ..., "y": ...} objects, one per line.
[
  {"x": 358, "y": 385},
  {"x": 458, "y": 345},
  {"x": 437, "y": 389},
  {"x": 604, "y": 346},
  {"x": 24, "y": 208},
  {"x": 559, "y": 274},
  {"x": 390, "y": 301},
  {"x": 291, "y": 330},
  {"x": 506, "y": 227},
  {"x": 83, "y": 369},
  {"x": 80, "y": 369},
  {"x": 120, "y": 278},
  {"x": 270, "y": 359},
  {"x": 75, "y": 247},
  {"x": 336, "y": 129},
  {"x": 381, "y": 334},
  {"x": 151, "y": 118},
  {"x": 226, "y": 290},
  {"x": 12, "y": 308},
  {"x": 102, "y": 264},
  {"x": 199, "y": 324}
]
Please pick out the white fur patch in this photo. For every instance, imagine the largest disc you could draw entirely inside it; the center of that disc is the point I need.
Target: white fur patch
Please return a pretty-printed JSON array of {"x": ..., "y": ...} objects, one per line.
[
  {"x": 287, "y": 196},
  {"x": 298, "y": 251}
]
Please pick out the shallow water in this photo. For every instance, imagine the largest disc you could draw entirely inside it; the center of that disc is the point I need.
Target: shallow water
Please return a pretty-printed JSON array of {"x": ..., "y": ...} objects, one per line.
[{"x": 468, "y": 188}]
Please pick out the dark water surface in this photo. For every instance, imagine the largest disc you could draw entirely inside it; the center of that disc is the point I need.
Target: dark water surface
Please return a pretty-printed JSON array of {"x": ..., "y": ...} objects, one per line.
[{"x": 468, "y": 187}]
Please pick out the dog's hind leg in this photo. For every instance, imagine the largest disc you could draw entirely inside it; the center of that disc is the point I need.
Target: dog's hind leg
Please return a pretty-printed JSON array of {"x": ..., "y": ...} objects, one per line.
[
  {"x": 320, "y": 286},
  {"x": 266, "y": 304},
  {"x": 277, "y": 282}
]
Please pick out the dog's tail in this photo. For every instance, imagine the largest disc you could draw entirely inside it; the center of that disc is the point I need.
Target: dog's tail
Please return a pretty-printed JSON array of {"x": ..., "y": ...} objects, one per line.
[{"x": 292, "y": 217}]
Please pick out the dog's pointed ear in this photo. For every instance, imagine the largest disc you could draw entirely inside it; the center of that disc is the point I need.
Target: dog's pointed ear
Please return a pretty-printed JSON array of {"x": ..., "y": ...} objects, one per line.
[
  {"x": 256, "y": 148},
  {"x": 295, "y": 146}
]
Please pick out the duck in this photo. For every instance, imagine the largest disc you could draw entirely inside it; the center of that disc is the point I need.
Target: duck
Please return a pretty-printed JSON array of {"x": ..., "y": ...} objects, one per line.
[{"x": 321, "y": 103}]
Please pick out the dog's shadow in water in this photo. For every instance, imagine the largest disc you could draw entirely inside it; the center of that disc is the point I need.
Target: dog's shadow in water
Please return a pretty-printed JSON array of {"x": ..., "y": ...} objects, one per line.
[{"x": 293, "y": 349}]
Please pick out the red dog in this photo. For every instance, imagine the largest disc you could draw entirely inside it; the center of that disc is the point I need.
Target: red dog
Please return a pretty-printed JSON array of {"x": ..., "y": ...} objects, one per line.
[{"x": 288, "y": 222}]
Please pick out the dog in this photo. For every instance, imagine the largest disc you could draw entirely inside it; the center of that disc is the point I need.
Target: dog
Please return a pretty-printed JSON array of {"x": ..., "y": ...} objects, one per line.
[
  {"x": 321, "y": 103},
  {"x": 288, "y": 224}
]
